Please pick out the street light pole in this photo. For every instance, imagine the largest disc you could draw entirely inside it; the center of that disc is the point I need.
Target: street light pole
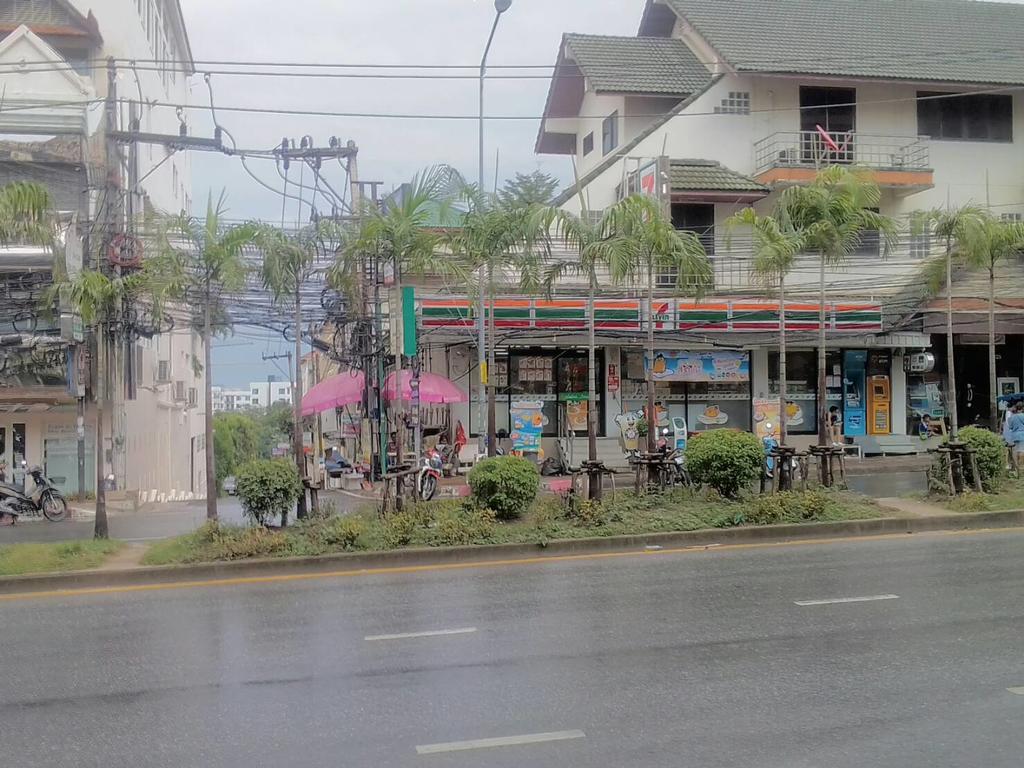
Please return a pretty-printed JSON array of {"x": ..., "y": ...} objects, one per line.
[{"x": 483, "y": 427}]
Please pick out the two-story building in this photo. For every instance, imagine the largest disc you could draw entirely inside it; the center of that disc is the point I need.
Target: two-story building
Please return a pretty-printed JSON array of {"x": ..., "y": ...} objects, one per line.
[
  {"x": 716, "y": 105},
  {"x": 53, "y": 75}
]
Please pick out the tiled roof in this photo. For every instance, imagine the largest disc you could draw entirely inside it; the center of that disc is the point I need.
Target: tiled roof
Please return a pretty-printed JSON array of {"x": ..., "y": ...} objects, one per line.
[
  {"x": 655, "y": 65},
  {"x": 937, "y": 40},
  {"x": 709, "y": 176}
]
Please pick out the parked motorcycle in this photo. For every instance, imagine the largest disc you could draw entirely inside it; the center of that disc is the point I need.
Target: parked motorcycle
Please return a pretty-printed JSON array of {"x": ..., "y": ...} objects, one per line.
[
  {"x": 429, "y": 475},
  {"x": 45, "y": 499}
]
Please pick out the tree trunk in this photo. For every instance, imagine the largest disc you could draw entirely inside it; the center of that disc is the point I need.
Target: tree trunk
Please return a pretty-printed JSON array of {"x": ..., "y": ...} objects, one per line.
[
  {"x": 954, "y": 427},
  {"x": 595, "y": 480},
  {"x": 100, "y": 530},
  {"x": 211, "y": 468},
  {"x": 993, "y": 389},
  {"x": 492, "y": 410},
  {"x": 652, "y": 414},
  {"x": 782, "y": 360},
  {"x": 297, "y": 442}
]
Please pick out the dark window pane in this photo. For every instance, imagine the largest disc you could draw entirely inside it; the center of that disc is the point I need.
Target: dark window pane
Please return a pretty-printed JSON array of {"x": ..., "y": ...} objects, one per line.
[
  {"x": 588, "y": 143},
  {"x": 977, "y": 117},
  {"x": 610, "y": 133}
]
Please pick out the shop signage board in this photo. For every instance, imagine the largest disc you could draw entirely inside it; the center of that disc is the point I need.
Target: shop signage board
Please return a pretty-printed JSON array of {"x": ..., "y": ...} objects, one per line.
[
  {"x": 700, "y": 366},
  {"x": 669, "y": 315},
  {"x": 528, "y": 422}
]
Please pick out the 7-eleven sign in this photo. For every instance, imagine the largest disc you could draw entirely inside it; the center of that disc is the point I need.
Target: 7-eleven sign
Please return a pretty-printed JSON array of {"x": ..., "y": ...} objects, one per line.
[{"x": 662, "y": 312}]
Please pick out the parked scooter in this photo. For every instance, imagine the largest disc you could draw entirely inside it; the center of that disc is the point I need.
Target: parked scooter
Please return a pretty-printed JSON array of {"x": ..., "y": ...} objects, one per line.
[
  {"x": 44, "y": 500},
  {"x": 429, "y": 475}
]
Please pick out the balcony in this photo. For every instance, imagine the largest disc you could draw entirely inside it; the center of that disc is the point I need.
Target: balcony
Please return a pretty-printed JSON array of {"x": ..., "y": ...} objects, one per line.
[{"x": 900, "y": 163}]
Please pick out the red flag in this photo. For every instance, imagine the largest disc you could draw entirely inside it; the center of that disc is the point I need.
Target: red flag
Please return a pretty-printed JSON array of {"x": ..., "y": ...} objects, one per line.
[{"x": 827, "y": 139}]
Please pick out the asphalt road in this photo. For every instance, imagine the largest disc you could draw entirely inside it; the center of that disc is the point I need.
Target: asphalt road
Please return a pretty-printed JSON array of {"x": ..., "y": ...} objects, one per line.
[{"x": 694, "y": 659}]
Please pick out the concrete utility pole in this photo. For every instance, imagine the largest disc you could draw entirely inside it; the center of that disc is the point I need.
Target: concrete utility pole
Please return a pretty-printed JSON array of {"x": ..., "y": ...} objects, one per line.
[{"x": 486, "y": 413}]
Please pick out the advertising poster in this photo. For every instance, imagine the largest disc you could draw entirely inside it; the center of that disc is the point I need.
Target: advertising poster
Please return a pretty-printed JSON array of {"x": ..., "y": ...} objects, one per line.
[
  {"x": 700, "y": 366},
  {"x": 528, "y": 422},
  {"x": 766, "y": 411}
]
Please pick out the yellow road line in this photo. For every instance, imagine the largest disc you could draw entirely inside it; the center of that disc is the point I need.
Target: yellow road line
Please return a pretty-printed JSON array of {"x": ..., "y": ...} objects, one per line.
[{"x": 405, "y": 569}]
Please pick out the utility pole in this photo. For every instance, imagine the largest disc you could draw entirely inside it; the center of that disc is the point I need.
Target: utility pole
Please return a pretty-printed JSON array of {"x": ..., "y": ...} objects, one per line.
[{"x": 112, "y": 192}]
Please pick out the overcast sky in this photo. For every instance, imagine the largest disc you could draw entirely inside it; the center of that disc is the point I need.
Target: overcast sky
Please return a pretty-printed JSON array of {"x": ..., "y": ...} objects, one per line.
[{"x": 390, "y": 151}]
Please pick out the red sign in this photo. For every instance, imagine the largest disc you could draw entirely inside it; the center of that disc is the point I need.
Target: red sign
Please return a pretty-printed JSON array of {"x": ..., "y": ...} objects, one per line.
[{"x": 613, "y": 378}]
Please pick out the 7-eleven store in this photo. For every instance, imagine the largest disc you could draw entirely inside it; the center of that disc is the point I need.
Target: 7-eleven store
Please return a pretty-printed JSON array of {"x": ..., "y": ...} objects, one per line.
[{"x": 714, "y": 361}]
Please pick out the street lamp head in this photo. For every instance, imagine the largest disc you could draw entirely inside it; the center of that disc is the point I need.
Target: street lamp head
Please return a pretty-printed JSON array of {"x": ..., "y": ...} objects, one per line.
[{"x": 502, "y": 5}]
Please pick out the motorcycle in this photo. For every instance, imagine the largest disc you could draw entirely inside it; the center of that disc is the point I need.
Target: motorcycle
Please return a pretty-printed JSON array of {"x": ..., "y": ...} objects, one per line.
[
  {"x": 45, "y": 499},
  {"x": 429, "y": 475}
]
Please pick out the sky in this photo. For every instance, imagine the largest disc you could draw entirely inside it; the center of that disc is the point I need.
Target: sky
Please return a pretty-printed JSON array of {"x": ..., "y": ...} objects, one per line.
[{"x": 390, "y": 150}]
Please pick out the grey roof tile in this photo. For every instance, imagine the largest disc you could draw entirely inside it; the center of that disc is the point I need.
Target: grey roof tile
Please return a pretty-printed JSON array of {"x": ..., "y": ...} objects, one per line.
[
  {"x": 654, "y": 65},
  {"x": 937, "y": 40},
  {"x": 709, "y": 176}
]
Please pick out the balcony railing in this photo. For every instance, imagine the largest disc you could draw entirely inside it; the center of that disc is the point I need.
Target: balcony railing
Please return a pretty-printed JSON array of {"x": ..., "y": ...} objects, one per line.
[{"x": 808, "y": 149}]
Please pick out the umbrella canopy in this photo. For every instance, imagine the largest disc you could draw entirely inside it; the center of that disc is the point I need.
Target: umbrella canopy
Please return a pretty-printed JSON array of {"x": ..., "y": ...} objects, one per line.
[
  {"x": 343, "y": 389},
  {"x": 433, "y": 388}
]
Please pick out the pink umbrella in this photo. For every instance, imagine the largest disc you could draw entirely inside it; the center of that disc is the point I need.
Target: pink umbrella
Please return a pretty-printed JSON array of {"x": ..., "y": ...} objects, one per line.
[
  {"x": 433, "y": 388},
  {"x": 343, "y": 389}
]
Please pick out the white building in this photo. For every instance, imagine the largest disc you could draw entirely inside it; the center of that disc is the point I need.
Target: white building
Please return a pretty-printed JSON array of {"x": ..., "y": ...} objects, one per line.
[
  {"x": 53, "y": 59},
  {"x": 266, "y": 393},
  {"x": 226, "y": 400},
  {"x": 715, "y": 106}
]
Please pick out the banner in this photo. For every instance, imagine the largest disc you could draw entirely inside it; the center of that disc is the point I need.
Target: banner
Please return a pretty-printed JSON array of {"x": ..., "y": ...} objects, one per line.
[
  {"x": 700, "y": 366},
  {"x": 528, "y": 422},
  {"x": 766, "y": 411}
]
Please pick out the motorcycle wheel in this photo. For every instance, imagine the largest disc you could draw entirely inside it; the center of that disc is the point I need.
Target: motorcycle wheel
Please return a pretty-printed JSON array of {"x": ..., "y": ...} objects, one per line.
[
  {"x": 55, "y": 508},
  {"x": 429, "y": 488}
]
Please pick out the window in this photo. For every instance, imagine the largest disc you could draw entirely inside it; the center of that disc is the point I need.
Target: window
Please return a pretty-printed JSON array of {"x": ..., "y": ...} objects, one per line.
[
  {"x": 193, "y": 397},
  {"x": 737, "y": 103},
  {"x": 610, "y": 132},
  {"x": 801, "y": 388},
  {"x": 920, "y": 245},
  {"x": 1013, "y": 217},
  {"x": 588, "y": 143},
  {"x": 255, "y": 393},
  {"x": 970, "y": 117},
  {"x": 698, "y": 218},
  {"x": 870, "y": 242}
]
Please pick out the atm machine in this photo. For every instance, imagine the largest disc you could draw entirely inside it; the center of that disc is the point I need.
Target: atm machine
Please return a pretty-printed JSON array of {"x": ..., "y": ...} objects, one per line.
[{"x": 879, "y": 405}]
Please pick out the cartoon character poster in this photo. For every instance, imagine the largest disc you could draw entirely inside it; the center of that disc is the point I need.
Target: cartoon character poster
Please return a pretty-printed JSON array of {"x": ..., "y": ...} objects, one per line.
[
  {"x": 700, "y": 366},
  {"x": 628, "y": 430},
  {"x": 766, "y": 411},
  {"x": 528, "y": 422}
]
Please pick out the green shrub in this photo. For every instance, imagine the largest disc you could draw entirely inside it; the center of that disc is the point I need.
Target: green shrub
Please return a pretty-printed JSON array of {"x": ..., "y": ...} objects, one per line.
[
  {"x": 971, "y": 502},
  {"x": 398, "y": 529},
  {"x": 726, "y": 460},
  {"x": 990, "y": 456},
  {"x": 267, "y": 488},
  {"x": 341, "y": 532},
  {"x": 585, "y": 513},
  {"x": 470, "y": 525},
  {"x": 767, "y": 509},
  {"x": 505, "y": 484}
]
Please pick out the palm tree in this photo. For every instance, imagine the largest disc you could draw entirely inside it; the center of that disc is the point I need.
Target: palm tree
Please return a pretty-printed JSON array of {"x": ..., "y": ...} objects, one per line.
[
  {"x": 287, "y": 266},
  {"x": 406, "y": 233},
  {"x": 597, "y": 250},
  {"x": 656, "y": 247},
  {"x": 99, "y": 300},
  {"x": 495, "y": 239},
  {"x": 962, "y": 231},
  {"x": 775, "y": 252},
  {"x": 26, "y": 214},
  {"x": 1002, "y": 240},
  {"x": 831, "y": 216},
  {"x": 199, "y": 263}
]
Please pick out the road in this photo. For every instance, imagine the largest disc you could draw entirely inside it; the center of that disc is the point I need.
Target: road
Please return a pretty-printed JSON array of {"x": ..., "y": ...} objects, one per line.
[{"x": 700, "y": 658}]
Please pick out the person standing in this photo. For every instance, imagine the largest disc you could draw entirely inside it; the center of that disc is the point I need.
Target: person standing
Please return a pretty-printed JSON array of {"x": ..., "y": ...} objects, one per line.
[{"x": 1014, "y": 434}]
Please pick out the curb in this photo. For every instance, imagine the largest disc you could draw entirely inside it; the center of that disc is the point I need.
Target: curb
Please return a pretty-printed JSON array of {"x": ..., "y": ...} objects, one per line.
[{"x": 357, "y": 561}]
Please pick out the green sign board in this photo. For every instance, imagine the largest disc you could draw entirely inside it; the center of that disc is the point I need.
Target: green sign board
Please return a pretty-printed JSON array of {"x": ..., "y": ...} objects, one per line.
[{"x": 409, "y": 348}]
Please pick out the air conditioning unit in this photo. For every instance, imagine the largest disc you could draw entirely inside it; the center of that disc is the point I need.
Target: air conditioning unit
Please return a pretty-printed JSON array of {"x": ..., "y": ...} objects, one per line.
[
  {"x": 163, "y": 371},
  {"x": 179, "y": 391}
]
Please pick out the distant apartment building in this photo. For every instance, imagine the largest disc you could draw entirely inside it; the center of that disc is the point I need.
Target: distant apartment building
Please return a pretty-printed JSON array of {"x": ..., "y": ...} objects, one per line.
[
  {"x": 226, "y": 400},
  {"x": 266, "y": 393},
  {"x": 52, "y": 131}
]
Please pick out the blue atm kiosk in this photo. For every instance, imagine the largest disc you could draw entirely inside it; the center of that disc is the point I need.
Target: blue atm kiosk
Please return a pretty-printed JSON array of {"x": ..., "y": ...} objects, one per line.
[{"x": 854, "y": 392}]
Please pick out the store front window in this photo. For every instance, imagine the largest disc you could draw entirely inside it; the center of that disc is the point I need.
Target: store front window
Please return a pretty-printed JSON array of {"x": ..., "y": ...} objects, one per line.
[
  {"x": 711, "y": 390},
  {"x": 555, "y": 379},
  {"x": 801, "y": 389}
]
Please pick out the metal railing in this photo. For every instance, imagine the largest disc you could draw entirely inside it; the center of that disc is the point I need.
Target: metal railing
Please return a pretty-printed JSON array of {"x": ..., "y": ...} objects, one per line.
[{"x": 808, "y": 149}]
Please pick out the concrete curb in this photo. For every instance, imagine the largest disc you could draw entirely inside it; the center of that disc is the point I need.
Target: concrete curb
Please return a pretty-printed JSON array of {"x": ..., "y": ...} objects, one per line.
[{"x": 357, "y": 561}]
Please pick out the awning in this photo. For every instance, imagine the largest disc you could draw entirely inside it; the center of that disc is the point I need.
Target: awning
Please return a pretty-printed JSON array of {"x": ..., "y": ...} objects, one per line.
[{"x": 709, "y": 181}]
